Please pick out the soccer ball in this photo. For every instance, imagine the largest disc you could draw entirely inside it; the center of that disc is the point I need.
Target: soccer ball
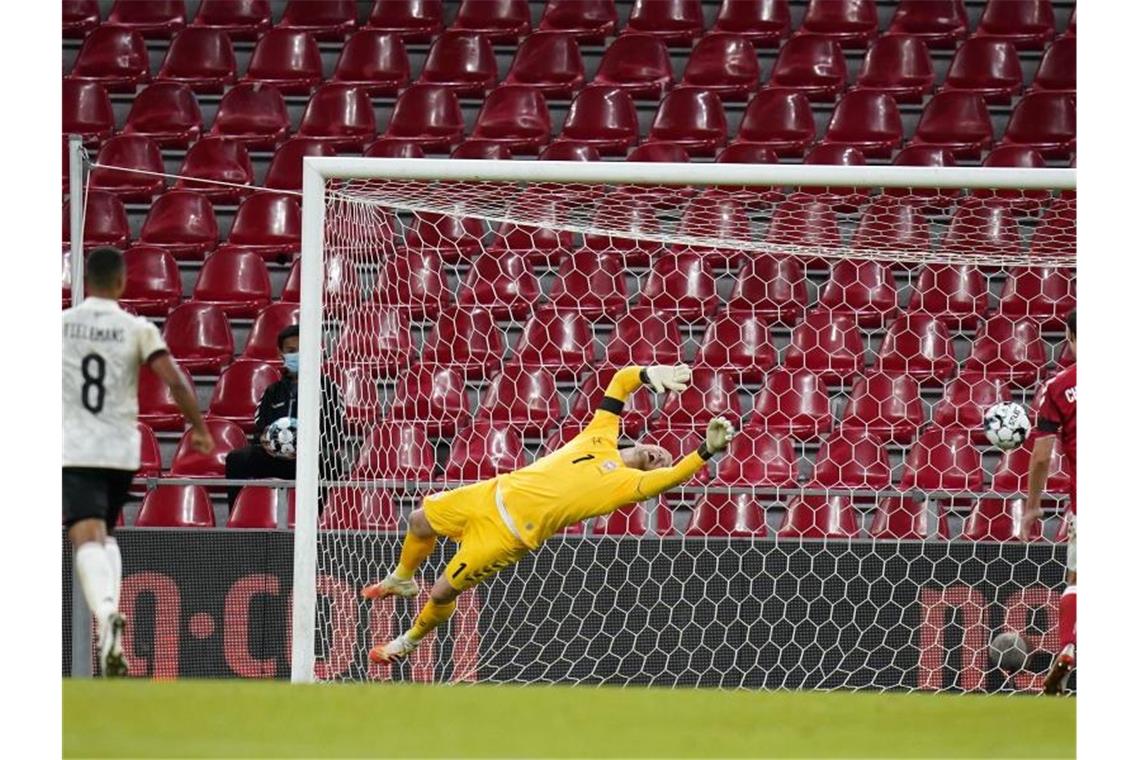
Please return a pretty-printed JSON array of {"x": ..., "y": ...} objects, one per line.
[
  {"x": 280, "y": 438},
  {"x": 1009, "y": 652},
  {"x": 1006, "y": 425}
]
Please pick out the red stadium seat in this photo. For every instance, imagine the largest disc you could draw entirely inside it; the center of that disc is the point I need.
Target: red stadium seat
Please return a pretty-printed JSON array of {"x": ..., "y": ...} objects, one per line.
[
  {"x": 602, "y": 117},
  {"x": 719, "y": 217},
  {"x": 939, "y": 23},
  {"x": 427, "y": 115},
  {"x": 724, "y": 64},
  {"x": 255, "y": 508},
  {"x": 500, "y": 20},
  {"x": 201, "y": 58},
  {"x": 907, "y": 519},
  {"x": 129, "y": 152},
  {"x": 157, "y": 408},
  {"x": 253, "y": 114},
  {"x": 644, "y": 337},
  {"x": 432, "y": 396},
  {"x": 845, "y": 199},
  {"x": 268, "y": 224},
  {"x": 183, "y": 223},
  {"x": 820, "y": 517},
  {"x": 827, "y": 344},
  {"x": 324, "y": 19},
  {"x": 524, "y": 398},
  {"x": 1044, "y": 121},
  {"x": 677, "y": 22},
  {"x": 217, "y": 159},
  {"x": 1028, "y": 24},
  {"x": 736, "y": 515},
  {"x": 900, "y": 66},
  {"x": 957, "y": 121},
  {"x": 980, "y": 228},
  {"x": 916, "y": 198},
  {"x": 627, "y": 211},
  {"x": 556, "y": 339},
  {"x": 956, "y": 294},
  {"x": 862, "y": 288},
  {"x": 1017, "y": 156},
  {"x": 886, "y": 406},
  {"x": 240, "y": 19},
  {"x": 693, "y": 118},
  {"x": 80, "y": 17},
  {"x": 1056, "y": 233},
  {"x": 966, "y": 399},
  {"x": 234, "y": 280},
  {"x": 515, "y": 116},
  {"x": 239, "y": 391},
  {"x": 397, "y": 450},
  {"x": 378, "y": 337},
  {"x": 394, "y": 147},
  {"x": 866, "y": 120},
  {"x": 413, "y": 20},
  {"x": 638, "y": 64},
  {"x": 681, "y": 284},
  {"x": 918, "y": 345},
  {"x": 739, "y": 344},
  {"x": 105, "y": 221},
  {"x": 477, "y": 354},
  {"x": 160, "y": 19},
  {"x": 661, "y": 152},
  {"x": 852, "y": 459},
  {"x": 340, "y": 115},
  {"x": 1012, "y": 474},
  {"x": 1058, "y": 69},
  {"x": 376, "y": 62},
  {"x": 802, "y": 221},
  {"x": 759, "y": 459},
  {"x": 463, "y": 62},
  {"x": 943, "y": 460},
  {"x": 114, "y": 57},
  {"x": 199, "y": 337},
  {"x": 359, "y": 393},
  {"x": 638, "y": 407},
  {"x": 635, "y": 520},
  {"x": 190, "y": 464},
  {"x": 154, "y": 286},
  {"x": 413, "y": 280},
  {"x": 176, "y": 507},
  {"x": 987, "y": 66},
  {"x": 1045, "y": 294},
  {"x": 811, "y": 64},
  {"x": 712, "y": 393},
  {"x": 87, "y": 111},
  {"x": 588, "y": 21},
  {"x": 288, "y": 59},
  {"x": 167, "y": 113},
  {"x": 150, "y": 456},
  {"x": 792, "y": 403},
  {"x": 854, "y": 23},
  {"x": 453, "y": 238},
  {"x": 997, "y": 520},
  {"x": 358, "y": 509},
  {"x": 484, "y": 450},
  {"x": 774, "y": 288},
  {"x": 541, "y": 245},
  {"x": 262, "y": 341},
  {"x": 503, "y": 283},
  {"x": 1008, "y": 348},
  {"x": 764, "y": 22},
  {"x": 549, "y": 62}
]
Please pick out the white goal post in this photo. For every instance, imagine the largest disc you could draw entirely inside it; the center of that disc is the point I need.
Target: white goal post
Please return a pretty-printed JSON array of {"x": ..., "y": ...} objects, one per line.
[{"x": 357, "y": 198}]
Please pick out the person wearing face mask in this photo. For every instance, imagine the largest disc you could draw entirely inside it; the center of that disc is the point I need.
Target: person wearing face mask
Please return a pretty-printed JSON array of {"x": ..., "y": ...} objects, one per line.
[{"x": 280, "y": 400}]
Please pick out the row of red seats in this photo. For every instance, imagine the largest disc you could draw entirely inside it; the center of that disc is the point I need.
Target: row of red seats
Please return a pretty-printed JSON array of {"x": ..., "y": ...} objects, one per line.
[{"x": 1029, "y": 23}]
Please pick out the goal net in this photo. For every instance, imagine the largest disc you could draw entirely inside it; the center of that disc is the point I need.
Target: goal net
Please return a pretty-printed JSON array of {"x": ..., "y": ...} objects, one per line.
[{"x": 853, "y": 322}]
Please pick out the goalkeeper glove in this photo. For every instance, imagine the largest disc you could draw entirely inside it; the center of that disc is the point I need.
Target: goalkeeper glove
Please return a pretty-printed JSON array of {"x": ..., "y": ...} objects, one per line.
[
  {"x": 664, "y": 377},
  {"x": 719, "y": 435}
]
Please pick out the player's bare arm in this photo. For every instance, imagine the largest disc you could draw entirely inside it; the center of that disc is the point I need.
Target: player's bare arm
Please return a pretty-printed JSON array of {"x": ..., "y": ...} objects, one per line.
[
  {"x": 1039, "y": 462},
  {"x": 167, "y": 371}
]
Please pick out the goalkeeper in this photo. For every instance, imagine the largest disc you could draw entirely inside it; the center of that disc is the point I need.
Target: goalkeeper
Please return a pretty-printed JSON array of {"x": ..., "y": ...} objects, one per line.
[{"x": 498, "y": 521}]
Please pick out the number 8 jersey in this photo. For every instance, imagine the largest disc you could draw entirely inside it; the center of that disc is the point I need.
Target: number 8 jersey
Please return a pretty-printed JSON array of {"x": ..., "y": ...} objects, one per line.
[{"x": 103, "y": 348}]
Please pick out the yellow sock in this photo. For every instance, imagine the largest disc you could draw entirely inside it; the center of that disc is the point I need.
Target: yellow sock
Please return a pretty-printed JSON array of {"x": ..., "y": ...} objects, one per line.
[
  {"x": 430, "y": 616},
  {"x": 415, "y": 551}
]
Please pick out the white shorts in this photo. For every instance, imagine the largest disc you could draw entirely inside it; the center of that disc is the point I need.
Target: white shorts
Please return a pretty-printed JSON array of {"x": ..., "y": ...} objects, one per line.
[{"x": 1071, "y": 558}]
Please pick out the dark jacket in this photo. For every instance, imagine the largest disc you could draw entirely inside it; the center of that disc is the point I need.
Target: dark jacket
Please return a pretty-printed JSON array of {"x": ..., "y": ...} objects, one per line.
[{"x": 280, "y": 400}]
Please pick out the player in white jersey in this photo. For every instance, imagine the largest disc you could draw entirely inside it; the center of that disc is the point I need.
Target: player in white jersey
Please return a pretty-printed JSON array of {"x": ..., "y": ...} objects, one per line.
[{"x": 103, "y": 349}]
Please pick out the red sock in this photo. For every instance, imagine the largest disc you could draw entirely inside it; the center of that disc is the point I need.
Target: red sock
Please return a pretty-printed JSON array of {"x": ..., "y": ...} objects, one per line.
[{"x": 1067, "y": 624}]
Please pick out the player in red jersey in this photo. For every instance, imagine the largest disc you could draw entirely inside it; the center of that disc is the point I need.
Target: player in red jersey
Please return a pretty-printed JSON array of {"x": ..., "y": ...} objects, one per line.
[{"x": 1058, "y": 417}]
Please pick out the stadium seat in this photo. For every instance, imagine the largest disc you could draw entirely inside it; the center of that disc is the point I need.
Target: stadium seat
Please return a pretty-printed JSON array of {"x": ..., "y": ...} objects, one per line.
[
  {"x": 862, "y": 288},
  {"x": 677, "y": 22},
  {"x": 1008, "y": 348},
  {"x": 854, "y": 23},
  {"x": 1058, "y": 69},
  {"x": 939, "y": 23},
  {"x": 997, "y": 520},
  {"x": 852, "y": 459},
  {"x": 1046, "y": 122},
  {"x": 359, "y": 394},
  {"x": 985, "y": 229},
  {"x": 1056, "y": 233},
  {"x": 394, "y": 147},
  {"x": 503, "y": 283},
  {"x": 738, "y": 343},
  {"x": 918, "y": 345},
  {"x": 1028, "y": 24},
  {"x": 255, "y": 508},
  {"x": 778, "y": 119},
  {"x": 1044, "y": 294},
  {"x": 886, "y": 406},
  {"x": 559, "y": 340},
  {"x": 819, "y": 517},
  {"x": 792, "y": 403},
  {"x": 550, "y": 62},
  {"x": 413, "y": 20},
  {"x": 1012, "y": 473},
  {"x": 268, "y": 224},
  {"x": 199, "y": 337},
  {"x": 453, "y": 238},
  {"x": 680, "y": 284},
  {"x": 80, "y": 17},
  {"x": 902, "y": 518},
  {"x": 604, "y": 118},
  {"x": 413, "y": 280},
  {"x": 377, "y": 337},
  {"x": 484, "y": 450},
  {"x": 957, "y": 121},
  {"x": 866, "y": 120},
  {"x": 114, "y": 57},
  {"x": 540, "y": 245},
  {"x": 105, "y": 222},
  {"x": 662, "y": 152},
  {"x": 87, "y": 111},
  {"x": 262, "y": 341},
  {"x": 239, "y": 390},
  {"x": 160, "y": 19},
  {"x": 154, "y": 286},
  {"x": 253, "y": 114},
  {"x": 588, "y": 21},
  {"x": 637, "y": 64},
  {"x": 719, "y": 216},
  {"x": 523, "y": 398},
  {"x": 957, "y": 294},
  {"x": 188, "y": 463},
  {"x": 234, "y": 280},
  {"x": 917, "y": 198},
  {"x": 900, "y": 66},
  {"x": 167, "y": 113},
  {"x": 965, "y": 401},
  {"x": 516, "y": 117},
  {"x": 200, "y": 58},
  {"x": 183, "y": 223},
  {"x": 765, "y": 23},
  {"x": 427, "y": 115},
  {"x": 432, "y": 396},
  {"x": 340, "y": 115},
  {"x": 638, "y": 407},
  {"x": 626, "y": 211},
  {"x": 176, "y": 507},
  {"x": 157, "y": 408},
  {"x": 376, "y": 62},
  {"x": 986, "y": 66},
  {"x": 217, "y": 159},
  {"x": 725, "y": 65},
  {"x": 763, "y": 459},
  {"x": 693, "y": 118},
  {"x": 773, "y": 288},
  {"x": 711, "y": 393},
  {"x": 240, "y": 19},
  {"x": 397, "y": 450},
  {"x": 943, "y": 460},
  {"x": 635, "y": 520},
  {"x": 150, "y": 456},
  {"x": 462, "y": 62},
  {"x": 129, "y": 152},
  {"x": 288, "y": 59},
  {"x": 356, "y": 509},
  {"x": 1016, "y": 156},
  {"x": 843, "y": 199},
  {"x": 501, "y": 21},
  {"x": 644, "y": 337},
  {"x": 827, "y": 344},
  {"x": 736, "y": 515},
  {"x": 478, "y": 353},
  {"x": 324, "y": 19},
  {"x": 811, "y": 64}
]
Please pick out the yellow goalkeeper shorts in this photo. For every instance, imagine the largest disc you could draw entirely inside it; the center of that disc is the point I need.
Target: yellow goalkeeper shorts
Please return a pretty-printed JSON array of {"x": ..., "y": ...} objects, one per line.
[{"x": 468, "y": 515}]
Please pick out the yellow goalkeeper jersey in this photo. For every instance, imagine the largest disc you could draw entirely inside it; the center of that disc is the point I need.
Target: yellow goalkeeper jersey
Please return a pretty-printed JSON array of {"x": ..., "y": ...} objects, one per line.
[{"x": 586, "y": 477}]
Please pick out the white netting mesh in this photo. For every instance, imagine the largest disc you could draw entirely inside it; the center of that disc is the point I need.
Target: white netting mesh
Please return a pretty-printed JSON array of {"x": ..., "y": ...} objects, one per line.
[{"x": 859, "y": 533}]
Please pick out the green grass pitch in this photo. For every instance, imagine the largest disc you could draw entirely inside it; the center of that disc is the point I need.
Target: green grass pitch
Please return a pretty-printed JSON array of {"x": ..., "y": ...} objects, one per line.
[{"x": 273, "y": 719}]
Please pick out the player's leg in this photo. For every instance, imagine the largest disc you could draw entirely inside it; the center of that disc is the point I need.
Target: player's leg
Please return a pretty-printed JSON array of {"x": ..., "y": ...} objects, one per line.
[
  {"x": 1066, "y": 659},
  {"x": 118, "y": 491},
  {"x": 419, "y": 543}
]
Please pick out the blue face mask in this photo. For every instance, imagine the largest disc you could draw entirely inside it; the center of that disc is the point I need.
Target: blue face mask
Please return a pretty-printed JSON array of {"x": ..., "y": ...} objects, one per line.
[{"x": 292, "y": 362}]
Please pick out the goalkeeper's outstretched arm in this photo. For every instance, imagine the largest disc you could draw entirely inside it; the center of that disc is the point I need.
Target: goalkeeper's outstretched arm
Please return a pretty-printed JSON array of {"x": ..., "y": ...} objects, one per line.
[
  {"x": 659, "y": 377},
  {"x": 653, "y": 482}
]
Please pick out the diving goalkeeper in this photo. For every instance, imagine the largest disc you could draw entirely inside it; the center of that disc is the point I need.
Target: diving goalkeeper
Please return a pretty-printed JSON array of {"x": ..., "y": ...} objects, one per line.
[{"x": 498, "y": 521}]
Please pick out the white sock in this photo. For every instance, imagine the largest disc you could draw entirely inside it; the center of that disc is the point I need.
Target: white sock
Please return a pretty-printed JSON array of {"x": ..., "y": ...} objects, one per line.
[
  {"x": 97, "y": 578},
  {"x": 111, "y": 546}
]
